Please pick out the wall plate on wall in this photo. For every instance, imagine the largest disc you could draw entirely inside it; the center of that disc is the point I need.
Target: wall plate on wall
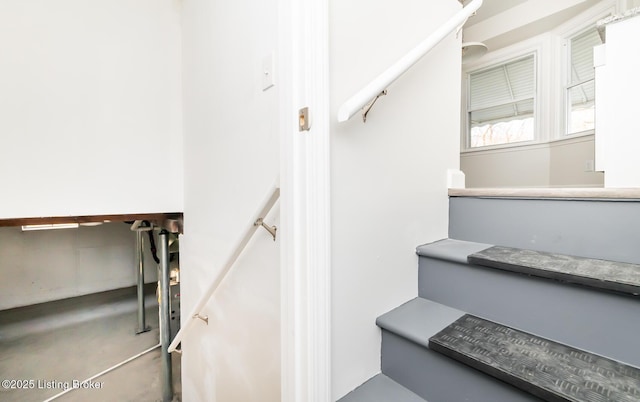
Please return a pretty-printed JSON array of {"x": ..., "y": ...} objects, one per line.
[{"x": 268, "y": 69}]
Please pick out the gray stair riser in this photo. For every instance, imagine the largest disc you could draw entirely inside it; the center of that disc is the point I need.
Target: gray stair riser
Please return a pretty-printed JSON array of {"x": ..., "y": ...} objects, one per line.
[
  {"x": 606, "y": 230},
  {"x": 604, "y": 323},
  {"x": 437, "y": 378}
]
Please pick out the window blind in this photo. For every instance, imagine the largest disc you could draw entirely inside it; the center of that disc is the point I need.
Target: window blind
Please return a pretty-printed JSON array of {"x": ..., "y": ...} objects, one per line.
[
  {"x": 582, "y": 55},
  {"x": 503, "y": 91},
  {"x": 582, "y": 66}
]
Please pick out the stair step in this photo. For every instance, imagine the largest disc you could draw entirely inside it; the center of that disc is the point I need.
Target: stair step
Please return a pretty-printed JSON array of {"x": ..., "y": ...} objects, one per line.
[
  {"x": 451, "y": 250},
  {"x": 602, "y": 274},
  {"x": 577, "y": 315},
  {"x": 381, "y": 389},
  {"x": 418, "y": 320},
  {"x": 550, "y": 370},
  {"x": 406, "y": 358},
  {"x": 603, "y": 229}
]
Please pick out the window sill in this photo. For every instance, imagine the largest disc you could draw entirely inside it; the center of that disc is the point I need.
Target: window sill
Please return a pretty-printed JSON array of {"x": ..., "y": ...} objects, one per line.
[
  {"x": 576, "y": 135},
  {"x": 503, "y": 147},
  {"x": 530, "y": 145}
]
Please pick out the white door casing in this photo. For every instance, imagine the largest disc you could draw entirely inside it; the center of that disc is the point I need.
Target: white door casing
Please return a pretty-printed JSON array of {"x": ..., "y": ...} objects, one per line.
[{"x": 302, "y": 72}]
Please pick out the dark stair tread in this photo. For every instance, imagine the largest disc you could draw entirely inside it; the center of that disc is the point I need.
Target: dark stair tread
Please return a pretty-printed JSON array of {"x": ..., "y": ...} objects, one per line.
[
  {"x": 381, "y": 388},
  {"x": 609, "y": 275},
  {"x": 547, "y": 369}
]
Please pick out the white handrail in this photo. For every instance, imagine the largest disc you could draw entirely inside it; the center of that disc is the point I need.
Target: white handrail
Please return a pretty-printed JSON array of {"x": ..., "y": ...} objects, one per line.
[
  {"x": 381, "y": 82},
  {"x": 266, "y": 205}
]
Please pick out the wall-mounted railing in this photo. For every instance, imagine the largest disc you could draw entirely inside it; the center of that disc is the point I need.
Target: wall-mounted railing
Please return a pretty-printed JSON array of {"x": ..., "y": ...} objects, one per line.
[
  {"x": 378, "y": 86},
  {"x": 256, "y": 222}
]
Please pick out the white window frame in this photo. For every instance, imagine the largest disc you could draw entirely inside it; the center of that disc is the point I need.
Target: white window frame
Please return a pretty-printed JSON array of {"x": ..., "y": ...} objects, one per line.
[
  {"x": 528, "y": 48},
  {"x": 568, "y": 85},
  {"x": 565, "y": 33},
  {"x": 551, "y": 79}
]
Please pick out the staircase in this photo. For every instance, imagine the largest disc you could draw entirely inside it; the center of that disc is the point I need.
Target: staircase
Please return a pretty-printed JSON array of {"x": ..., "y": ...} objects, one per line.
[{"x": 531, "y": 298}]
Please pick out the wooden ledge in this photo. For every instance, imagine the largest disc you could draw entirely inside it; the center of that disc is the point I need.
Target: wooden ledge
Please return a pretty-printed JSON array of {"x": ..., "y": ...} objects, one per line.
[
  {"x": 549, "y": 193},
  {"x": 170, "y": 221}
]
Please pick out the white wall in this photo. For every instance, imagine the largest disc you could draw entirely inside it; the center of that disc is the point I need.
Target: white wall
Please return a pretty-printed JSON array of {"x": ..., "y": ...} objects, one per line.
[
  {"x": 571, "y": 164},
  {"x": 42, "y": 266},
  {"x": 389, "y": 176},
  {"x": 552, "y": 164},
  {"x": 231, "y": 160},
  {"x": 620, "y": 135},
  {"x": 511, "y": 167},
  {"x": 90, "y": 110},
  {"x": 628, "y": 4}
]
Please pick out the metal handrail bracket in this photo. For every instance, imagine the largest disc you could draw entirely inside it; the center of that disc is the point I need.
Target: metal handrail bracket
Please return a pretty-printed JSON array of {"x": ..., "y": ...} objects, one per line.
[
  {"x": 370, "y": 91},
  {"x": 196, "y": 314}
]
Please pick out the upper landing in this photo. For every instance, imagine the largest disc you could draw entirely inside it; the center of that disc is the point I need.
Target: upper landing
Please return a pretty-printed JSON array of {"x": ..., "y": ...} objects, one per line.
[{"x": 626, "y": 194}]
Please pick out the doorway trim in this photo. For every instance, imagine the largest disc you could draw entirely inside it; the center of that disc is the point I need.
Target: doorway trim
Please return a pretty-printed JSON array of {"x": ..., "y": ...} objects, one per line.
[{"x": 305, "y": 201}]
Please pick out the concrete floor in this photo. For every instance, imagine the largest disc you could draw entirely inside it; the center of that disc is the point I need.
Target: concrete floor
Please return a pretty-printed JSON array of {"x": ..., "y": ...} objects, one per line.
[{"x": 77, "y": 338}]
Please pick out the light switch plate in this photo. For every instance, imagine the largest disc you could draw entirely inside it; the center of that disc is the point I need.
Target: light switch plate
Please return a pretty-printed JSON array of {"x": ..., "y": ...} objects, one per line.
[{"x": 268, "y": 70}]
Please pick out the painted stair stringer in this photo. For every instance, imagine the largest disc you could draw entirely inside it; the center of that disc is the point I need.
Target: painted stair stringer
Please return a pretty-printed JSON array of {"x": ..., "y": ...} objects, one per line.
[
  {"x": 604, "y": 323},
  {"x": 381, "y": 388},
  {"x": 407, "y": 359}
]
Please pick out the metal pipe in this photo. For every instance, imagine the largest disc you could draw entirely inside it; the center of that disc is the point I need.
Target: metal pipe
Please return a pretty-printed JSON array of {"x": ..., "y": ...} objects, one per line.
[
  {"x": 103, "y": 372},
  {"x": 142, "y": 327},
  {"x": 165, "y": 317}
]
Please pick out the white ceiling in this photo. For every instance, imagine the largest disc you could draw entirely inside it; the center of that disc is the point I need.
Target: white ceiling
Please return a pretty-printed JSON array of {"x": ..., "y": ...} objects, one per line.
[
  {"x": 491, "y": 8},
  {"x": 509, "y": 25}
]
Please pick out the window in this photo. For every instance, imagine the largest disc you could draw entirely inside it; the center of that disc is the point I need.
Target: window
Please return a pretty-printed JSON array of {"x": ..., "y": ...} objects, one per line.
[
  {"x": 502, "y": 103},
  {"x": 580, "y": 91}
]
